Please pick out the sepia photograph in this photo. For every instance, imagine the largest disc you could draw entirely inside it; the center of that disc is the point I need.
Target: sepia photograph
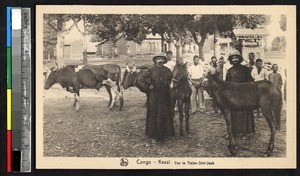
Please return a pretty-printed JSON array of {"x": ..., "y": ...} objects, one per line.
[{"x": 165, "y": 87}]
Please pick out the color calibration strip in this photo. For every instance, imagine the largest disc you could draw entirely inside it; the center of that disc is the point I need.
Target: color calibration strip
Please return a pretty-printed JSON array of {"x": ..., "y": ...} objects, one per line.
[
  {"x": 9, "y": 96},
  {"x": 18, "y": 90}
]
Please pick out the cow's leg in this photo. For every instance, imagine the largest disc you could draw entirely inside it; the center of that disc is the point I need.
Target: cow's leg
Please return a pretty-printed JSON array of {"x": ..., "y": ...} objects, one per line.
[
  {"x": 232, "y": 147},
  {"x": 187, "y": 117},
  {"x": 271, "y": 121},
  {"x": 121, "y": 99},
  {"x": 77, "y": 102},
  {"x": 173, "y": 101},
  {"x": 180, "y": 108},
  {"x": 77, "y": 95},
  {"x": 113, "y": 100},
  {"x": 109, "y": 93}
]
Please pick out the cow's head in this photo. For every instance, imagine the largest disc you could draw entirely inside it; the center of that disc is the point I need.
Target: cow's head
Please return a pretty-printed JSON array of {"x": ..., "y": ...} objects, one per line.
[
  {"x": 131, "y": 76},
  {"x": 51, "y": 76}
]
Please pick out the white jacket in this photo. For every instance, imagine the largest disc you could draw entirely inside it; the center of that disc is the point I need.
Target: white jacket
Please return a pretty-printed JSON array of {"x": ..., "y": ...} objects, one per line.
[{"x": 263, "y": 75}]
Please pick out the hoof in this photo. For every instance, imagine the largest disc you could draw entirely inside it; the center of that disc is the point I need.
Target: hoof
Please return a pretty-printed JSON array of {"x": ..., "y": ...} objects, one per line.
[
  {"x": 267, "y": 154},
  {"x": 233, "y": 150},
  {"x": 76, "y": 107}
]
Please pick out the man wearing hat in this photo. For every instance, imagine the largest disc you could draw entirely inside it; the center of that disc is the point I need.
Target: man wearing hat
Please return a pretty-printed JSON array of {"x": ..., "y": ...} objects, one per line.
[
  {"x": 242, "y": 121},
  {"x": 156, "y": 81}
]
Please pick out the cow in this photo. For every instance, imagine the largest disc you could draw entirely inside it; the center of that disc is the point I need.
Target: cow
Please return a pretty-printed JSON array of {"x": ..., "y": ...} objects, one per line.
[
  {"x": 88, "y": 77},
  {"x": 131, "y": 75}
]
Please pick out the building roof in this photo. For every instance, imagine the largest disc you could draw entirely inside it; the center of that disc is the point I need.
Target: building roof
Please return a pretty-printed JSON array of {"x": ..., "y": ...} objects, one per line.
[{"x": 262, "y": 32}]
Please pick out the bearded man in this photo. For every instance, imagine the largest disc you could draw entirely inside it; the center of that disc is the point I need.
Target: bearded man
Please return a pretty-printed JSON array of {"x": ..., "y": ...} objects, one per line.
[{"x": 242, "y": 121}]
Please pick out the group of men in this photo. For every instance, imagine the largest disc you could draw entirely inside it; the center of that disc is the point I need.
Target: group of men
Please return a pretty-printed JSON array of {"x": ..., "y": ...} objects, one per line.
[{"x": 157, "y": 79}]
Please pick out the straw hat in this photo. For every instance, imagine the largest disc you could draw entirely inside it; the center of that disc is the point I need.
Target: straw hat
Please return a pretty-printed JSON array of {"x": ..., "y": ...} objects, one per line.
[{"x": 235, "y": 53}]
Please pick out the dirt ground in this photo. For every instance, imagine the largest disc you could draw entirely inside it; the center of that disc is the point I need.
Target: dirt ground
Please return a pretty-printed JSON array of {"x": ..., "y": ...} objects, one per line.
[{"x": 95, "y": 131}]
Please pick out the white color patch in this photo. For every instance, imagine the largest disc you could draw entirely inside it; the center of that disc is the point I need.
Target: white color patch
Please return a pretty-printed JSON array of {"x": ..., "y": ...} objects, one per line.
[
  {"x": 16, "y": 19},
  {"x": 79, "y": 67}
]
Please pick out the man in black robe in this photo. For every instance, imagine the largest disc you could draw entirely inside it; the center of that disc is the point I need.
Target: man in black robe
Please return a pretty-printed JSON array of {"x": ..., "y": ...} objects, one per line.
[
  {"x": 156, "y": 81},
  {"x": 242, "y": 121}
]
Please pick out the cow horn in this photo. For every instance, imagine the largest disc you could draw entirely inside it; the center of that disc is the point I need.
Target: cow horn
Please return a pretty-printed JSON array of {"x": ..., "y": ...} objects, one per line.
[
  {"x": 55, "y": 67},
  {"x": 127, "y": 68}
]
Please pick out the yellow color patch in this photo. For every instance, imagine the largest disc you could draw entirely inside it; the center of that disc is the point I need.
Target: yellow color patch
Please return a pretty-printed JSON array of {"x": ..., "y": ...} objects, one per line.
[{"x": 9, "y": 109}]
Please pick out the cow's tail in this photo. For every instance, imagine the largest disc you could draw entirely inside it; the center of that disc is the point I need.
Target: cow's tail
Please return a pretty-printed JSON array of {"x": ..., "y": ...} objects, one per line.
[{"x": 277, "y": 111}]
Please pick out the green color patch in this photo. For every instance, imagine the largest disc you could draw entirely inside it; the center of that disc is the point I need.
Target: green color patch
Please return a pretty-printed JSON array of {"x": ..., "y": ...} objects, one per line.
[{"x": 8, "y": 67}]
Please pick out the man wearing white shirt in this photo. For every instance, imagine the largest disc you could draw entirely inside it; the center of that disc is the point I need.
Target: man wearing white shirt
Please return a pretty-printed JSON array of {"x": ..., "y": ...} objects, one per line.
[
  {"x": 258, "y": 72},
  {"x": 196, "y": 73},
  {"x": 171, "y": 61}
]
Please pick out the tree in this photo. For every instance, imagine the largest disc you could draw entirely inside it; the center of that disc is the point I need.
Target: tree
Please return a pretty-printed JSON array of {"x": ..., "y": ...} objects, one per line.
[
  {"x": 282, "y": 22},
  {"x": 105, "y": 28},
  {"x": 172, "y": 29},
  {"x": 83, "y": 32},
  {"x": 55, "y": 32},
  {"x": 111, "y": 28},
  {"x": 219, "y": 25},
  {"x": 279, "y": 44}
]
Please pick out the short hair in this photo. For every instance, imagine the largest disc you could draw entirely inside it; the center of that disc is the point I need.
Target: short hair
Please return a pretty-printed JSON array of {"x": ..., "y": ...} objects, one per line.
[
  {"x": 274, "y": 65},
  {"x": 196, "y": 56},
  {"x": 213, "y": 57},
  {"x": 221, "y": 58},
  {"x": 251, "y": 54},
  {"x": 258, "y": 60},
  {"x": 169, "y": 52}
]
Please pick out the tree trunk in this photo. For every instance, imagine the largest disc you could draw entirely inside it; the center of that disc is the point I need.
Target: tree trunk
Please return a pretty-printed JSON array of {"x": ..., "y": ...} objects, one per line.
[
  {"x": 59, "y": 49},
  {"x": 162, "y": 43},
  {"x": 178, "y": 49},
  {"x": 110, "y": 48},
  {"x": 183, "y": 51},
  {"x": 217, "y": 43},
  {"x": 201, "y": 50},
  {"x": 169, "y": 46},
  {"x": 84, "y": 42}
]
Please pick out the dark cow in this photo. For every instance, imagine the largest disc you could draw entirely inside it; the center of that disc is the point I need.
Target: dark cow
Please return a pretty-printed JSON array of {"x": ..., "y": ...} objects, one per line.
[
  {"x": 89, "y": 77},
  {"x": 247, "y": 96}
]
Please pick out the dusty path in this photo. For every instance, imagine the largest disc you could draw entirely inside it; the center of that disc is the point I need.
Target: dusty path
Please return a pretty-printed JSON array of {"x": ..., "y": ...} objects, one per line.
[{"x": 95, "y": 131}]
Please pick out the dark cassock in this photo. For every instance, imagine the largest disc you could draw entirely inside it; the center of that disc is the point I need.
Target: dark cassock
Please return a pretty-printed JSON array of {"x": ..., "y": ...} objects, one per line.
[
  {"x": 156, "y": 81},
  {"x": 242, "y": 121}
]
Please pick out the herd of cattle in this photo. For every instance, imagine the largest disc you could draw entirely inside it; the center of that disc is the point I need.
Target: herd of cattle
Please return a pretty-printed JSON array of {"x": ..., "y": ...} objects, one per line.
[{"x": 261, "y": 94}]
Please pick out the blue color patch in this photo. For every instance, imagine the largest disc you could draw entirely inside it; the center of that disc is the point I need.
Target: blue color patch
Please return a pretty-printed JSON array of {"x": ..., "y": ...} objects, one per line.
[{"x": 8, "y": 26}]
